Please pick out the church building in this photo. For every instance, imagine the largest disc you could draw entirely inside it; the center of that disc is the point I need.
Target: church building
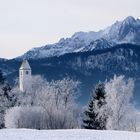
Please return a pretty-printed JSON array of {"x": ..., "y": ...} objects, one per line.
[{"x": 25, "y": 76}]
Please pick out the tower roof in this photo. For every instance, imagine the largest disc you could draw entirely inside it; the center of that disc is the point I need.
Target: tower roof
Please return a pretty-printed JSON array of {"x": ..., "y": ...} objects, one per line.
[{"x": 25, "y": 65}]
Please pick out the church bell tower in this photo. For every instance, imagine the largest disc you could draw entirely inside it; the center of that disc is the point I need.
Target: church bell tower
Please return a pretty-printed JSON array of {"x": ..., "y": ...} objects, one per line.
[{"x": 25, "y": 79}]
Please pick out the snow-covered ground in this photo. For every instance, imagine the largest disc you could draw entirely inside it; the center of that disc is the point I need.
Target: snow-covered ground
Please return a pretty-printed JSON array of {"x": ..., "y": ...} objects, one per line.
[{"x": 24, "y": 134}]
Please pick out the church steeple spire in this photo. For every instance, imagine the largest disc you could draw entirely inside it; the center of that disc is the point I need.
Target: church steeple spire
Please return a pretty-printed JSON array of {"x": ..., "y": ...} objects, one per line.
[{"x": 25, "y": 82}]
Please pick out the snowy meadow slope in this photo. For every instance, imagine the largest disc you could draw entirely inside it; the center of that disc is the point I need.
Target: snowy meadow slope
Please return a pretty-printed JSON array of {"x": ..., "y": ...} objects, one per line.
[{"x": 24, "y": 134}]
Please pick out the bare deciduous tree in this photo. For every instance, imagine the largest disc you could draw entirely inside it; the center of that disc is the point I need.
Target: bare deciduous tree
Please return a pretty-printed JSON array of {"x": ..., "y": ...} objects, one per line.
[{"x": 57, "y": 99}]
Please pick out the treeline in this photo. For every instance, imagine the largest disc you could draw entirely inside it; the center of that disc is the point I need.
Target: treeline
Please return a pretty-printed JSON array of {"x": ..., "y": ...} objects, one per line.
[
  {"x": 111, "y": 106},
  {"x": 53, "y": 105}
]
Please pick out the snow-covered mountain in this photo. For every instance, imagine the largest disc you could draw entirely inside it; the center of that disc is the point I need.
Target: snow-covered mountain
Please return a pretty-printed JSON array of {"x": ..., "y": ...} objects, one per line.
[
  {"x": 87, "y": 57},
  {"x": 88, "y": 67},
  {"x": 126, "y": 31}
]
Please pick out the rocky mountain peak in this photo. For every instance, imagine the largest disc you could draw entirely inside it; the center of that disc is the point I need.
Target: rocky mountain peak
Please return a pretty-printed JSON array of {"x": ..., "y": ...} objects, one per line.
[{"x": 126, "y": 31}]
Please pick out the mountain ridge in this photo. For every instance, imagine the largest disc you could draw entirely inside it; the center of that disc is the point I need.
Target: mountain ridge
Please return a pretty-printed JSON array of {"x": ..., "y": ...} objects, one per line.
[
  {"x": 87, "y": 67},
  {"x": 126, "y": 31},
  {"x": 88, "y": 62}
]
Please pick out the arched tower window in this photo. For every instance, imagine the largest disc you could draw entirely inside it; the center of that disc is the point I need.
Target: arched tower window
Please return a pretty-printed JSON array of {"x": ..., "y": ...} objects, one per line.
[{"x": 27, "y": 72}]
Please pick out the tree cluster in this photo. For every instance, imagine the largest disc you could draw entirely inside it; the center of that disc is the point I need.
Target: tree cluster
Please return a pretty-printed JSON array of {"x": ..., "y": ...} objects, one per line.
[
  {"x": 48, "y": 105},
  {"x": 53, "y": 105},
  {"x": 111, "y": 107},
  {"x": 6, "y": 98}
]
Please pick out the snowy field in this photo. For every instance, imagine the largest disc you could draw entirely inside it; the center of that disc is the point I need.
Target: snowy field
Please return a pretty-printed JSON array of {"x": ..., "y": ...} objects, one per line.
[{"x": 24, "y": 134}]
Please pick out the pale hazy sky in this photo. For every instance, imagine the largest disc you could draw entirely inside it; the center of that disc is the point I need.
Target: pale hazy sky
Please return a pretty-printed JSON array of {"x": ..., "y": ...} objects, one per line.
[{"x": 25, "y": 24}]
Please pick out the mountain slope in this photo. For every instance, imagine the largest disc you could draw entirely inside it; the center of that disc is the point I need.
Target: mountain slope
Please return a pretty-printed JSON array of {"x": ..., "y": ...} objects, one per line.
[
  {"x": 88, "y": 57},
  {"x": 88, "y": 67},
  {"x": 126, "y": 31}
]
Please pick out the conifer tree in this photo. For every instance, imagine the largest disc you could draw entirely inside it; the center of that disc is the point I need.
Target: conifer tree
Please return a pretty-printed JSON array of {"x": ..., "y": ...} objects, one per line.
[
  {"x": 6, "y": 98},
  {"x": 97, "y": 100}
]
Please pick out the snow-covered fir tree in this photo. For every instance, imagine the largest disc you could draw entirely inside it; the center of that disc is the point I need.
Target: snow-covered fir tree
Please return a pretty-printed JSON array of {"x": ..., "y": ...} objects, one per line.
[
  {"x": 6, "y": 98},
  {"x": 91, "y": 119}
]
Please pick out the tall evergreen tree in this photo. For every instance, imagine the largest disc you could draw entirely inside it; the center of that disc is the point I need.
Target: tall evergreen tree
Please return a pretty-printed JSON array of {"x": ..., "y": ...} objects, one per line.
[
  {"x": 97, "y": 100},
  {"x": 6, "y": 98}
]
